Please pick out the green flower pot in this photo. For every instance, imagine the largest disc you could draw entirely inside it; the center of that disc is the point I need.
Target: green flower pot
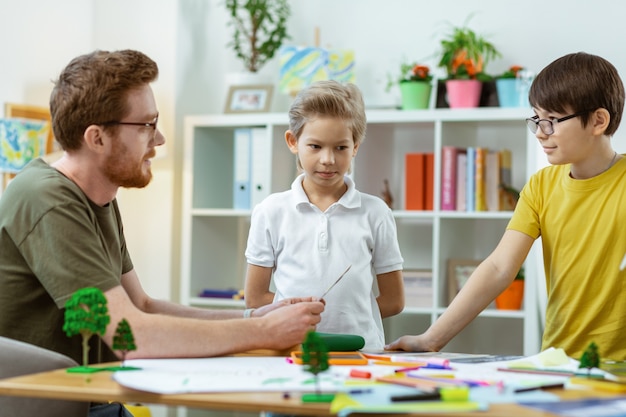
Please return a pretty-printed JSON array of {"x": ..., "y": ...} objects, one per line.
[{"x": 415, "y": 95}]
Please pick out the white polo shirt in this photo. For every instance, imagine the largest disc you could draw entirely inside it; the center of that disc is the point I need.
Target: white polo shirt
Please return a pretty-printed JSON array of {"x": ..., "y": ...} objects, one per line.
[{"x": 308, "y": 250}]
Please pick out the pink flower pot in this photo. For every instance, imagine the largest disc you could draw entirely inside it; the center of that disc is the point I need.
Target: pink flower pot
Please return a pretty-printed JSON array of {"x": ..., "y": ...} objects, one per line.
[{"x": 463, "y": 93}]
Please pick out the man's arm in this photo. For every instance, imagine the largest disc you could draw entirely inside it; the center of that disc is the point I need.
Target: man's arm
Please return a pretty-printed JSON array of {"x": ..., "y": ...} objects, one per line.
[{"x": 187, "y": 335}]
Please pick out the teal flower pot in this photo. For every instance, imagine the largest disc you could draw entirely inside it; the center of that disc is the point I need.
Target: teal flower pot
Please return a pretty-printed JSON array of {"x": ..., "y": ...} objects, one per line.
[{"x": 511, "y": 93}]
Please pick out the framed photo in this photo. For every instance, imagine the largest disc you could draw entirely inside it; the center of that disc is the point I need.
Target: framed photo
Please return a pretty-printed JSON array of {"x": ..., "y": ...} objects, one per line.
[
  {"x": 249, "y": 98},
  {"x": 459, "y": 270}
]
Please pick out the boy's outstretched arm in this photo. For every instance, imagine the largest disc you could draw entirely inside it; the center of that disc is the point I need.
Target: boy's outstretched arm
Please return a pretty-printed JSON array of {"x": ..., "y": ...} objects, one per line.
[{"x": 491, "y": 277}]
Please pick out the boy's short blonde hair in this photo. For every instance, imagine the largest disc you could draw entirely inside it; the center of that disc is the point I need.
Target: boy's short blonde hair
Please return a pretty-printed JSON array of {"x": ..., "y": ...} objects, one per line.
[{"x": 330, "y": 99}]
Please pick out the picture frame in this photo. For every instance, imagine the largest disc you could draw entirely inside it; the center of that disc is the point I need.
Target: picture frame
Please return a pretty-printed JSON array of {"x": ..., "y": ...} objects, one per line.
[
  {"x": 28, "y": 111},
  {"x": 459, "y": 270},
  {"x": 249, "y": 98}
]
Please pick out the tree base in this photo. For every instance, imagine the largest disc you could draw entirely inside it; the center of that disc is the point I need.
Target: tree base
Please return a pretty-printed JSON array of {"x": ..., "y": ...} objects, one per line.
[{"x": 318, "y": 398}]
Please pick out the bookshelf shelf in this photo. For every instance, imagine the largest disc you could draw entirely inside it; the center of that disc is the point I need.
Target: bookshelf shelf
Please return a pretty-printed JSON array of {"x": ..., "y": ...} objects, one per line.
[{"x": 214, "y": 234}]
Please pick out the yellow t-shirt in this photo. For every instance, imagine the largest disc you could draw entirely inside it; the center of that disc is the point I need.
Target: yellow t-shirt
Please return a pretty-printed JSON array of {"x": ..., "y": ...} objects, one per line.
[{"x": 582, "y": 224}]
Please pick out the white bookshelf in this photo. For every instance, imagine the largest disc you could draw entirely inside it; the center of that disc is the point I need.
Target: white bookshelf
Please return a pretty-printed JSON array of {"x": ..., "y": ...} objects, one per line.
[{"x": 214, "y": 235}]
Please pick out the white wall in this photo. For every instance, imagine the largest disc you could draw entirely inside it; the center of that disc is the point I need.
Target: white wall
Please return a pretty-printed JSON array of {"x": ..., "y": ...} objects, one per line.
[{"x": 187, "y": 38}]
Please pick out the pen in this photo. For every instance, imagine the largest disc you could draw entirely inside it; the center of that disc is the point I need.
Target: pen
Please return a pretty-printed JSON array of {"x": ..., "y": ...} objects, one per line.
[
  {"x": 537, "y": 387},
  {"x": 422, "y": 396},
  {"x": 560, "y": 372},
  {"x": 359, "y": 391}
]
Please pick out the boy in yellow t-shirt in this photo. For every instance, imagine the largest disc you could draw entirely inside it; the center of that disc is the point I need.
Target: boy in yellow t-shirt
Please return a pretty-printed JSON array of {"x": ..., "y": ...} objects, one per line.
[{"x": 577, "y": 206}]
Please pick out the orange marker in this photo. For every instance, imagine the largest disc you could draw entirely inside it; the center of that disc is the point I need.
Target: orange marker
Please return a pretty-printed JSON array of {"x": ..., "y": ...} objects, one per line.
[{"x": 357, "y": 373}]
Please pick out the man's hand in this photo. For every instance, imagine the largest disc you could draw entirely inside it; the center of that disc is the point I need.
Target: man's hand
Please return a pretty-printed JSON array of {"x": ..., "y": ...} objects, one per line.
[{"x": 288, "y": 325}]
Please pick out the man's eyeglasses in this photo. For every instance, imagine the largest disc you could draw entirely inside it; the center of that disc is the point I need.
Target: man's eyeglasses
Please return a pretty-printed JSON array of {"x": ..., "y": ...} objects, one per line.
[
  {"x": 152, "y": 125},
  {"x": 547, "y": 125}
]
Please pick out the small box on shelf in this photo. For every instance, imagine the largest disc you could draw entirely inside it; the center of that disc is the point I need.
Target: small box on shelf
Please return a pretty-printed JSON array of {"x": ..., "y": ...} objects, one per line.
[{"x": 418, "y": 288}]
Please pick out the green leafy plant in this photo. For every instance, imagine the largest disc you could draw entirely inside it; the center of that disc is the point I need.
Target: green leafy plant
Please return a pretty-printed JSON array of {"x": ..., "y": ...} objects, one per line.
[
  {"x": 86, "y": 313},
  {"x": 464, "y": 53},
  {"x": 511, "y": 72},
  {"x": 590, "y": 358},
  {"x": 260, "y": 28},
  {"x": 123, "y": 340},
  {"x": 315, "y": 356},
  {"x": 410, "y": 73}
]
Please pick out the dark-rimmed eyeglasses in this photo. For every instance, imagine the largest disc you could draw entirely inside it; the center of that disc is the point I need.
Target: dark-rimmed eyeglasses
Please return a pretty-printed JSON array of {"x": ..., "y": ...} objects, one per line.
[
  {"x": 152, "y": 125},
  {"x": 547, "y": 125}
]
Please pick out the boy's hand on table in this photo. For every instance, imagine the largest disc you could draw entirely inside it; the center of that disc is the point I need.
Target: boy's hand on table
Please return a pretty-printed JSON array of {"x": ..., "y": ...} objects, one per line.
[{"x": 412, "y": 344}]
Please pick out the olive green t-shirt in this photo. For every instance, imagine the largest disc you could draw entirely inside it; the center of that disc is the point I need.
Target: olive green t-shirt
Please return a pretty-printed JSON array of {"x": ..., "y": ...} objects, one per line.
[{"x": 54, "y": 241}]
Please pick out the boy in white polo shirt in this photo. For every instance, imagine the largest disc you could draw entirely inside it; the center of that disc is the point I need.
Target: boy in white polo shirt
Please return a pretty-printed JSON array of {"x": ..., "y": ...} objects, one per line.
[{"x": 309, "y": 235}]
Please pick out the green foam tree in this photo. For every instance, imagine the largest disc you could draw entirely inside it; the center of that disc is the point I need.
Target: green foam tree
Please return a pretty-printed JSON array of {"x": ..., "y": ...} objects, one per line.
[
  {"x": 123, "y": 340},
  {"x": 86, "y": 313},
  {"x": 590, "y": 358},
  {"x": 315, "y": 356}
]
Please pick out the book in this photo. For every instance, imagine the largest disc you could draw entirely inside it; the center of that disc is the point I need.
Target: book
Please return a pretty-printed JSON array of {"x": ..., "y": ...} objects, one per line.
[
  {"x": 470, "y": 180},
  {"x": 492, "y": 180},
  {"x": 480, "y": 201},
  {"x": 507, "y": 202},
  {"x": 414, "y": 169},
  {"x": 461, "y": 182},
  {"x": 429, "y": 181},
  {"x": 448, "y": 177}
]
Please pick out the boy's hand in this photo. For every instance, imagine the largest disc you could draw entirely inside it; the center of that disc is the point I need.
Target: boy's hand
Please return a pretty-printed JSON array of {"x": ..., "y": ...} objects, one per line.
[
  {"x": 261, "y": 311},
  {"x": 411, "y": 344}
]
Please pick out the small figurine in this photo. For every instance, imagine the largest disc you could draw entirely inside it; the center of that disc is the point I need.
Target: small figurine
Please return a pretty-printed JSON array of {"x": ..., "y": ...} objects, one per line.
[
  {"x": 86, "y": 313},
  {"x": 315, "y": 359},
  {"x": 590, "y": 358},
  {"x": 387, "y": 197},
  {"x": 123, "y": 340}
]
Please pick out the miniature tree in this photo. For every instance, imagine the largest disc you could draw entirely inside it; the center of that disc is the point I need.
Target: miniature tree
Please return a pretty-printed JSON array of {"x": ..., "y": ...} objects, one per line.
[
  {"x": 86, "y": 314},
  {"x": 315, "y": 356},
  {"x": 590, "y": 358},
  {"x": 123, "y": 340}
]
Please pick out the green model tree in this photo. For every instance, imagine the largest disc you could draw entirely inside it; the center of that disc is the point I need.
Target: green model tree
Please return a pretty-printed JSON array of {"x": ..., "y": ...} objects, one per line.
[
  {"x": 86, "y": 313},
  {"x": 123, "y": 340},
  {"x": 315, "y": 359},
  {"x": 590, "y": 358}
]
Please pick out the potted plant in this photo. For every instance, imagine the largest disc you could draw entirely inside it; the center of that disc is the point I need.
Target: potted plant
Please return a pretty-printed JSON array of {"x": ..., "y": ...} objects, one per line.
[
  {"x": 464, "y": 55},
  {"x": 260, "y": 28},
  {"x": 415, "y": 83},
  {"x": 511, "y": 298},
  {"x": 511, "y": 88}
]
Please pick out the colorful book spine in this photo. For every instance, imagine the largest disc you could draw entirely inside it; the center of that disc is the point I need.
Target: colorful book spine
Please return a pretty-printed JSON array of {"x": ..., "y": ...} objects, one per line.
[
  {"x": 470, "y": 180},
  {"x": 461, "y": 182},
  {"x": 429, "y": 181},
  {"x": 480, "y": 200},
  {"x": 414, "y": 169},
  {"x": 492, "y": 181},
  {"x": 448, "y": 177}
]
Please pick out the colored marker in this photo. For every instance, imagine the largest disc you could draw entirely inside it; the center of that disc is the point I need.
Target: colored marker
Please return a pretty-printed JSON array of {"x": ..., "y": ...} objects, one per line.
[
  {"x": 537, "y": 387},
  {"x": 422, "y": 396},
  {"x": 357, "y": 373}
]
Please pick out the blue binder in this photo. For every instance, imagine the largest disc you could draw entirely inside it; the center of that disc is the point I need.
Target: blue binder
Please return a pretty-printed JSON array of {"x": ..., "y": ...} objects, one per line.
[{"x": 241, "y": 183}]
